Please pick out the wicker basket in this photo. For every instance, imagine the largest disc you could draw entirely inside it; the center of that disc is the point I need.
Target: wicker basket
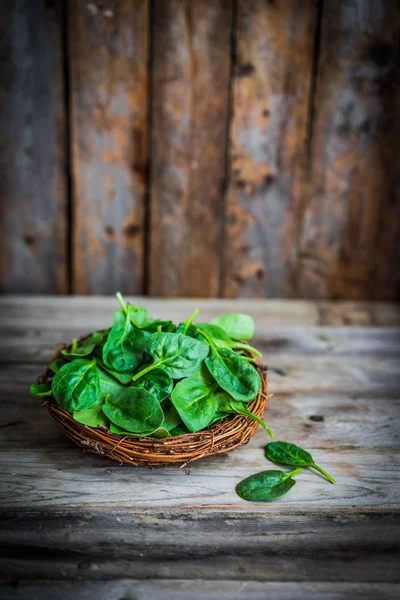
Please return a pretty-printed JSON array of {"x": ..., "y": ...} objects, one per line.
[{"x": 229, "y": 433}]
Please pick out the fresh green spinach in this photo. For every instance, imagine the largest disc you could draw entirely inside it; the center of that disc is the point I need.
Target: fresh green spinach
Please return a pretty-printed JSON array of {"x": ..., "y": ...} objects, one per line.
[
  {"x": 234, "y": 374},
  {"x": 41, "y": 389},
  {"x": 179, "y": 355},
  {"x": 290, "y": 454},
  {"x": 237, "y": 325},
  {"x": 266, "y": 486},
  {"x": 157, "y": 382},
  {"x": 123, "y": 351},
  {"x": 195, "y": 401},
  {"x": 135, "y": 410},
  {"x": 76, "y": 385},
  {"x": 226, "y": 404}
]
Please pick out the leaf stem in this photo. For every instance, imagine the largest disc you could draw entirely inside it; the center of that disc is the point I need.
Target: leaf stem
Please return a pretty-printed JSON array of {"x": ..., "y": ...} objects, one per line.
[
  {"x": 190, "y": 320},
  {"x": 259, "y": 421},
  {"x": 249, "y": 359},
  {"x": 74, "y": 345},
  {"x": 121, "y": 301},
  {"x": 247, "y": 347},
  {"x": 150, "y": 367},
  {"x": 324, "y": 473},
  {"x": 293, "y": 473}
]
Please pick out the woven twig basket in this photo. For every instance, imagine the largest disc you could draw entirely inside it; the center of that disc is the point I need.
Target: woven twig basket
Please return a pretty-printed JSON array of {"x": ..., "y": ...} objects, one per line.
[{"x": 229, "y": 433}]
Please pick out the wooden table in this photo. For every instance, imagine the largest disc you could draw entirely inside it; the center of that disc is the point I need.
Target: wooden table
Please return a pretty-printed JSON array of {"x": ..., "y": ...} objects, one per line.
[{"x": 75, "y": 525}]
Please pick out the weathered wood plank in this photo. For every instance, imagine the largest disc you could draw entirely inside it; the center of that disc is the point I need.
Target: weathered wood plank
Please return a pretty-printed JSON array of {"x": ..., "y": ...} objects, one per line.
[
  {"x": 108, "y": 46},
  {"x": 190, "y": 101},
  {"x": 271, "y": 87},
  {"x": 32, "y": 149},
  {"x": 348, "y": 241},
  {"x": 221, "y": 545},
  {"x": 181, "y": 589}
]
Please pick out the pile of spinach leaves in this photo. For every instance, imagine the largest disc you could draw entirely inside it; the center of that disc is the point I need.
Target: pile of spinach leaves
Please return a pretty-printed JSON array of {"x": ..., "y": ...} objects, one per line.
[{"x": 149, "y": 377}]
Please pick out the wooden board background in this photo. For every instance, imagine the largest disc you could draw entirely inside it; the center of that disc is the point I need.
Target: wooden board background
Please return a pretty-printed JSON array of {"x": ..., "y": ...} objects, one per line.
[{"x": 233, "y": 148}]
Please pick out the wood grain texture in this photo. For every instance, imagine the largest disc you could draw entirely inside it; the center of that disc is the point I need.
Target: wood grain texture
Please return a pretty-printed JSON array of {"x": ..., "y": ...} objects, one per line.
[
  {"x": 350, "y": 223},
  {"x": 108, "y": 54},
  {"x": 31, "y": 329},
  {"x": 69, "y": 516},
  {"x": 32, "y": 141},
  {"x": 271, "y": 88},
  {"x": 190, "y": 94},
  {"x": 181, "y": 589}
]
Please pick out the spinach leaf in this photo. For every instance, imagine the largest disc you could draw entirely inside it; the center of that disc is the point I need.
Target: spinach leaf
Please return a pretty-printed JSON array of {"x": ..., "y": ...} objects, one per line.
[
  {"x": 160, "y": 325},
  {"x": 290, "y": 454},
  {"x": 135, "y": 410},
  {"x": 76, "y": 385},
  {"x": 179, "y": 430},
  {"x": 195, "y": 401},
  {"x": 123, "y": 378},
  {"x": 157, "y": 382},
  {"x": 234, "y": 374},
  {"x": 109, "y": 385},
  {"x": 57, "y": 364},
  {"x": 123, "y": 351},
  {"x": 84, "y": 350},
  {"x": 92, "y": 416},
  {"x": 237, "y": 325},
  {"x": 161, "y": 432},
  {"x": 266, "y": 486},
  {"x": 226, "y": 404},
  {"x": 220, "y": 339},
  {"x": 41, "y": 389},
  {"x": 179, "y": 355},
  {"x": 171, "y": 415}
]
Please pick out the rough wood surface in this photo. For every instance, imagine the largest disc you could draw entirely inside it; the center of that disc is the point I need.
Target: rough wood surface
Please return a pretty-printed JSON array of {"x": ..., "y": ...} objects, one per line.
[
  {"x": 68, "y": 515},
  {"x": 108, "y": 54},
  {"x": 190, "y": 91},
  {"x": 33, "y": 222},
  {"x": 179, "y": 589},
  {"x": 351, "y": 209},
  {"x": 271, "y": 87}
]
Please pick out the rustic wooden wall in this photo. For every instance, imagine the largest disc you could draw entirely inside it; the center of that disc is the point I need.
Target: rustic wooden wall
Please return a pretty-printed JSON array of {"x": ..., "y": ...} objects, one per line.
[{"x": 210, "y": 148}]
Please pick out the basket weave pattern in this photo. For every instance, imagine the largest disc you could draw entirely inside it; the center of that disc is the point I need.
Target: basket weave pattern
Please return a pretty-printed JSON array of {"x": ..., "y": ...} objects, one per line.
[{"x": 229, "y": 433}]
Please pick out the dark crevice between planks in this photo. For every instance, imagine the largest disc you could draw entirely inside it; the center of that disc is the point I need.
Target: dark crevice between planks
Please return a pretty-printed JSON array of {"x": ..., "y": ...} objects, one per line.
[
  {"x": 147, "y": 195},
  {"x": 68, "y": 147},
  {"x": 227, "y": 173},
  {"x": 308, "y": 142}
]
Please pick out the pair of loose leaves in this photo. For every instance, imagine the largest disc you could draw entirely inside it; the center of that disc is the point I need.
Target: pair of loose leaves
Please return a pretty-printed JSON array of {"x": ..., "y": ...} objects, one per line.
[{"x": 269, "y": 485}]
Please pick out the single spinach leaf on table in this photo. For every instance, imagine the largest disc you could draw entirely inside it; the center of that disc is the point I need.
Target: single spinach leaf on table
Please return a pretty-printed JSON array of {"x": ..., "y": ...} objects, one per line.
[
  {"x": 179, "y": 355},
  {"x": 266, "y": 486},
  {"x": 157, "y": 382},
  {"x": 41, "y": 389},
  {"x": 290, "y": 454},
  {"x": 237, "y": 325},
  {"x": 92, "y": 416},
  {"x": 123, "y": 351},
  {"x": 226, "y": 404},
  {"x": 135, "y": 410},
  {"x": 234, "y": 374},
  {"x": 222, "y": 340},
  {"x": 195, "y": 401},
  {"x": 76, "y": 385}
]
